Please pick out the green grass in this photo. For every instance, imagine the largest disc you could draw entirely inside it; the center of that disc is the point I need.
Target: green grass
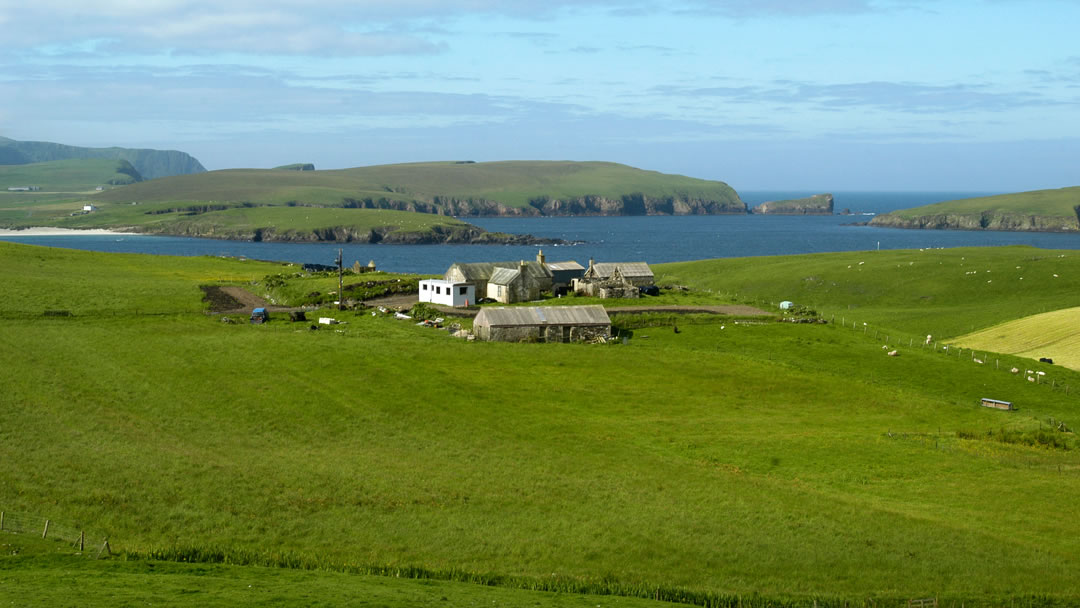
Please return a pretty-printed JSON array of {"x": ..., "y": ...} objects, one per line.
[
  {"x": 47, "y": 573},
  {"x": 942, "y": 292},
  {"x": 513, "y": 183},
  {"x": 1059, "y": 202},
  {"x": 1050, "y": 334},
  {"x": 67, "y": 175},
  {"x": 789, "y": 461}
]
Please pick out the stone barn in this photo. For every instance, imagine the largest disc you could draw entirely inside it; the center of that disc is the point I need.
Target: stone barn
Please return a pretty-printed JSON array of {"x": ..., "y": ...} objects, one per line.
[
  {"x": 562, "y": 273},
  {"x": 479, "y": 273},
  {"x": 542, "y": 324},
  {"x": 614, "y": 279}
]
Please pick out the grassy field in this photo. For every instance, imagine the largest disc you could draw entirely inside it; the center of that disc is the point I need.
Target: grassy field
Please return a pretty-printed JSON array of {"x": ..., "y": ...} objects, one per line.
[
  {"x": 763, "y": 461},
  {"x": 1062, "y": 202},
  {"x": 513, "y": 183},
  {"x": 68, "y": 176},
  {"x": 943, "y": 292},
  {"x": 1050, "y": 334}
]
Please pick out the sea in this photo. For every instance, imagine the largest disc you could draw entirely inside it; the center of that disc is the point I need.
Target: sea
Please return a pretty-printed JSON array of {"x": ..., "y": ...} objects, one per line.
[{"x": 652, "y": 239}]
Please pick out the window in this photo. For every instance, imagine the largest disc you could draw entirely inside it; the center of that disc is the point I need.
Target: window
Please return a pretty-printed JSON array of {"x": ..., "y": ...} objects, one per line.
[
  {"x": 438, "y": 290},
  {"x": 424, "y": 287},
  {"x": 463, "y": 291}
]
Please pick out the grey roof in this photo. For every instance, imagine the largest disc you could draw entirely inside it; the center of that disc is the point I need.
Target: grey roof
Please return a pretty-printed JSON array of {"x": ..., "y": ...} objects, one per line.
[
  {"x": 629, "y": 270},
  {"x": 482, "y": 271},
  {"x": 568, "y": 265},
  {"x": 542, "y": 315},
  {"x": 504, "y": 276}
]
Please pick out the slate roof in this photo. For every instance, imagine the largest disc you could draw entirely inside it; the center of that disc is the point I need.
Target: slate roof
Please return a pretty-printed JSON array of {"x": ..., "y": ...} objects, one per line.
[
  {"x": 482, "y": 271},
  {"x": 629, "y": 270},
  {"x": 516, "y": 316},
  {"x": 569, "y": 265},
  {"x": 504, "y": 276}
]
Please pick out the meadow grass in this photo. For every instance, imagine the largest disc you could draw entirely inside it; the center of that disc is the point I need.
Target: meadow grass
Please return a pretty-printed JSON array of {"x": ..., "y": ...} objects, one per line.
[
  {"x": 513, "y": 183},
  {"x": 43, "y": 572},
  {"x": 1050, "y": 334},
  {"x": 1058, "y": 202},
  {"x": 63, "y": 176},
  {"x": 788, "y": 461},
  {"x": 941, "y": 292}
]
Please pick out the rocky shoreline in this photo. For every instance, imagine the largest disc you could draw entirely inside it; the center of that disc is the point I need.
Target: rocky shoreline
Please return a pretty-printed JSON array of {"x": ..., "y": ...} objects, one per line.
[
  {"x": 988, "y": 220},
  {"x": 438, "y": 235}
]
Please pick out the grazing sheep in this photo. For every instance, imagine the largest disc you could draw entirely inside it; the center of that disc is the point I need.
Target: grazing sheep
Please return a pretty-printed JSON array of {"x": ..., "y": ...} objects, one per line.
[
  {"x": 1015, "y": 370},
  {"x": 892, "y": 353}
]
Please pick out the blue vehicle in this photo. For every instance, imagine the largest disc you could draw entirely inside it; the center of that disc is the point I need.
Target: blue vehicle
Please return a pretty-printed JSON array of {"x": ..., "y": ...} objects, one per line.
[{"x": 260, "y": 315}]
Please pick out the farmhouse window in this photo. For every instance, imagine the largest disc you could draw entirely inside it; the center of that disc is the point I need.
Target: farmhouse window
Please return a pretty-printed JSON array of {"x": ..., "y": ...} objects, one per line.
[{"x": 463, "y": 290}]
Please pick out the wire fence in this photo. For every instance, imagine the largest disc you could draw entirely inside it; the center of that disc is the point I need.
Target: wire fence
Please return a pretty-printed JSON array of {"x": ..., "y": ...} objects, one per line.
[{"x": 22, "y": 523}]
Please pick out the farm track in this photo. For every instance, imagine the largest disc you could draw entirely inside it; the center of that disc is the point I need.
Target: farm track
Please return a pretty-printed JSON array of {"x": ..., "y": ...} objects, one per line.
[
  {"x": 236, "y": 300},
  {"x": 245, "y": 301}
]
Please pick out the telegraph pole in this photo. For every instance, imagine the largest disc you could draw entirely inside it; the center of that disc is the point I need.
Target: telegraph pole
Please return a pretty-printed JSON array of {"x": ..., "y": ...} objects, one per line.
[{"x": 340, "y": 294}]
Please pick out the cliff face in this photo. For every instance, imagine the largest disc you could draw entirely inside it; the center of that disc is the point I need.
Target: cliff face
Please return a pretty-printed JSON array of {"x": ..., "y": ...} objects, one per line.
[
  {"x": 819, "y": 204},
  {"x": 988, "y": 220},
  {"x": 150, "y": 164},
  {"x": 630, "y": 204},
  {"x": 349, "y": 234}
]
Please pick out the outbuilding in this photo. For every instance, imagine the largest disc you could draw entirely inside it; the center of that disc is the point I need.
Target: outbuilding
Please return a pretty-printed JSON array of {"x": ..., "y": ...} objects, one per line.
[
  {"x": 447, "y": 293},
  {"x": 542, "y": 323}
]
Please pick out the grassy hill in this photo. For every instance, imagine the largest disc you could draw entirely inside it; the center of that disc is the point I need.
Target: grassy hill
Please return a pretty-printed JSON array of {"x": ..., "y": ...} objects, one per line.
[
  {"x": 1038, "y": 210},
  {"x": 732, "y": 464},
  {"x": 512, "y": 187},
  {"x": 943, "y": 292},
  {"x": 151, "y": 164},
  {"x": 69, "y": 176}
]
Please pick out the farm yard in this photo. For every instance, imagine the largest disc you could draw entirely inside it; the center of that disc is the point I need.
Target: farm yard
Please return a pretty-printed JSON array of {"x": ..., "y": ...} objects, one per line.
[{"x": 730, "y": 463}]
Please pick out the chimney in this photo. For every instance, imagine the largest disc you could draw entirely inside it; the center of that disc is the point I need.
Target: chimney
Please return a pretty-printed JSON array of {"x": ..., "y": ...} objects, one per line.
[
  {"x": 540, "y": 257},
  {"x": 522, "y": 266}
]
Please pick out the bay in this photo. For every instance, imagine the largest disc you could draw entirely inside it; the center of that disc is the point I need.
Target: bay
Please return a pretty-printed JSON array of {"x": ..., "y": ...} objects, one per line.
[{"x": 654, "y": 239}]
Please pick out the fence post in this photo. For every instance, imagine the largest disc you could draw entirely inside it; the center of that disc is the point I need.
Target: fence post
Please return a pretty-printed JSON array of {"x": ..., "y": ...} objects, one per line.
[
  {"x": 82, "y": 540},
  {"x": 46, "y": 532},
  {"x": 1, "y": 520},
  {"x": 104, "y": 549}
]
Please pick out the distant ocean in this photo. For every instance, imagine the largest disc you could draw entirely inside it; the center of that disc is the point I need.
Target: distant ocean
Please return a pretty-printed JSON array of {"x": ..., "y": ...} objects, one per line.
[{"x": 653, "y": 239}]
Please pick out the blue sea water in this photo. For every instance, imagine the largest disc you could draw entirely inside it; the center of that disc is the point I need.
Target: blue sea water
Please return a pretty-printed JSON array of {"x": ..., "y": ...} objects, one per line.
[{"x": 654, "y": 239}]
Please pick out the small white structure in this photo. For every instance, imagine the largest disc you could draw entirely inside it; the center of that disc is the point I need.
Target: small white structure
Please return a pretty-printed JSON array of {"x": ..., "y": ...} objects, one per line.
[
  {"x": 87, "y": 208},
  {"x": 447, "y": 293},
  {"x": 786, "y": 305}
]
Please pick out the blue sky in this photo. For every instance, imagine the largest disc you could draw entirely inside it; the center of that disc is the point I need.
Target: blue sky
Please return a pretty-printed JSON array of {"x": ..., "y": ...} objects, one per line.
[{"x": 770, "y": 94}]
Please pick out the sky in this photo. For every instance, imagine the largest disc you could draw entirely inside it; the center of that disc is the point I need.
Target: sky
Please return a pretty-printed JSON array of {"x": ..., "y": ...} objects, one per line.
[{"x": 822, "y": 95}]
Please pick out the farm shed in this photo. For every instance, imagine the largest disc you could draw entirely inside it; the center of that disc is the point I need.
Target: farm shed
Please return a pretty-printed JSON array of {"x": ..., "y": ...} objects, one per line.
[
  {"x": 447, "y": 293},
  {"x": 637, "y": 274},
  {"x": 996, "y": 404},
  {"x": 542, "y": 324},
  {"x": 508, "y": 285},
  {"x": 479, "y": 273},
  {"x": 562, "y": 273}
]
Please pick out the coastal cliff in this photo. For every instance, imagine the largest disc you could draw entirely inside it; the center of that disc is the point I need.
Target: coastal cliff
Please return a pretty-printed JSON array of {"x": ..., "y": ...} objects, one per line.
[
  {"x": 460, "y": 235},
  {"x": 987, "y": 220},
  {"x": 630, "y": 204},
  {"x": 819, "y": 204}
]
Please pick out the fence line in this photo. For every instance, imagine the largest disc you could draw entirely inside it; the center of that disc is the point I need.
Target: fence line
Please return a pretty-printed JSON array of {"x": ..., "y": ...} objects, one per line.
[
  {"x": 22, "y": 523},
  {"x": 1025, "y": 368}
]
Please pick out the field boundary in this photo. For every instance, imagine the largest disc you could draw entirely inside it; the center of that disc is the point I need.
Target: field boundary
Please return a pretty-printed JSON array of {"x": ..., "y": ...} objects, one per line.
[{"x": 23, "y": 523}]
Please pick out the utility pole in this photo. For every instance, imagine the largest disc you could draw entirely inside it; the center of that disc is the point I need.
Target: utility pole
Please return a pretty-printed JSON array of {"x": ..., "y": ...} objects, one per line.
[{"x": 340, "y": 295}]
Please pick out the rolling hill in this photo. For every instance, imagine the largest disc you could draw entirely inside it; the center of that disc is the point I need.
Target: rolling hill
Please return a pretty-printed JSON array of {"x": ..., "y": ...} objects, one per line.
[
  {"x": 151, "y": 164},
  {"x": 1037, "y": 210},
  {"x": 752, "y": 464},
  {"x": 456, "y": 188}
]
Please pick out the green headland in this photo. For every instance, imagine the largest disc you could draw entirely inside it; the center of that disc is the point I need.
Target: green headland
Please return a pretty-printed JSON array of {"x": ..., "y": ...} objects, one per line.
[{"x": 1037, "y": 210}]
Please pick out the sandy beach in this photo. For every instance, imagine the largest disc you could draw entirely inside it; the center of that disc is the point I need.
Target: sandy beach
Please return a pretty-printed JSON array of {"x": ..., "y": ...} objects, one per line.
[{"x": 46, "y": 231}]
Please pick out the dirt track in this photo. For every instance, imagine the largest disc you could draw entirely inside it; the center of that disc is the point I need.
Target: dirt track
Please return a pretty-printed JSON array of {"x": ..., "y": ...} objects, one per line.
[{"x": 237, "y": 300}]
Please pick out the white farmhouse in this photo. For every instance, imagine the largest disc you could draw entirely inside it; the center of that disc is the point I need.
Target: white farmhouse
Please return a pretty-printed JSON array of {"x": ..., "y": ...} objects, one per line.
[{"x": 447, "y": 293}]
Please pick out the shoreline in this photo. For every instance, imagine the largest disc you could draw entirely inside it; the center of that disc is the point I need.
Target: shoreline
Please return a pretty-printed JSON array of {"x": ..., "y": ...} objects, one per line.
[{"x": 48, "y": 231}]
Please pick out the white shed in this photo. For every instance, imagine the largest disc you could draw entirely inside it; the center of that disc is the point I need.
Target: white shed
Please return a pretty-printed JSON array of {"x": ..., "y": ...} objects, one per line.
[
  {"x": 447, "y": 293},
  {"x": 89, "y": 207}
]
